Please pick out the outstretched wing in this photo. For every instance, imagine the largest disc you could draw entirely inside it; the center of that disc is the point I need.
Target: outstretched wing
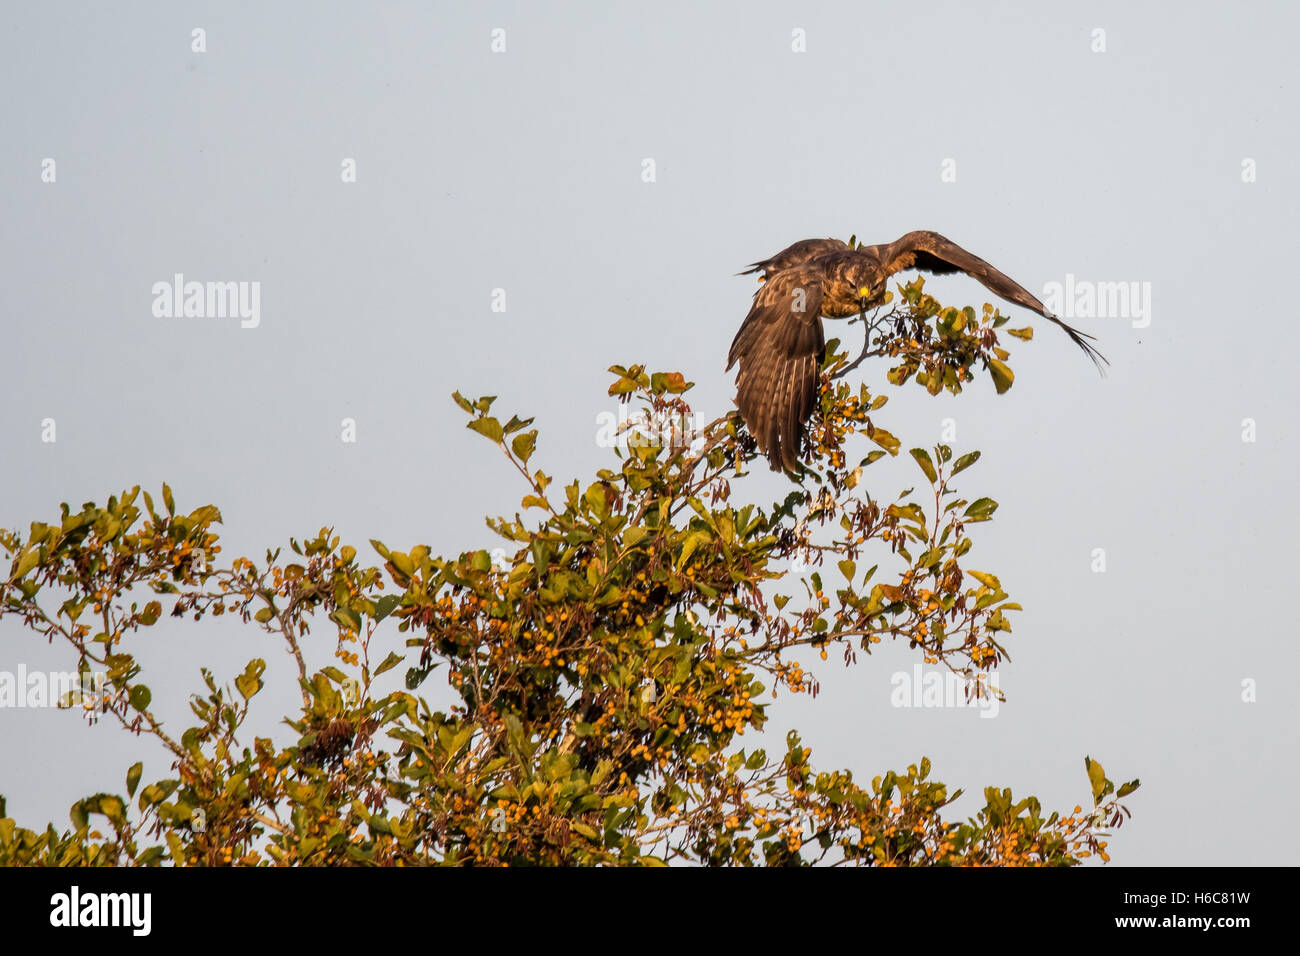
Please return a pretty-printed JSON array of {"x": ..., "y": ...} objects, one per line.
[
  {"x": 780, "y": 348},
  {"x": 931, "y": 252},
  {"x": 801, "y": 252}
]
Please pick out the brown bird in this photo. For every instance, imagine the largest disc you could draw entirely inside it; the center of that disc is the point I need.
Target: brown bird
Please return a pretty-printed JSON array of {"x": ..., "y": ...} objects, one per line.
[{"x": 780, "y": 346}]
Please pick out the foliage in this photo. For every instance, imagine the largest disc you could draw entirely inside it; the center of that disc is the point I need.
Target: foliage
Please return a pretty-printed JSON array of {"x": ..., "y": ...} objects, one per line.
[{"x": 602, "y": 671}]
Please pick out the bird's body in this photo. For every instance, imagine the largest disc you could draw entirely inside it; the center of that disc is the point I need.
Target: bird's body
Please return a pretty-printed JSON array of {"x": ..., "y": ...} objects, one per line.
[{"x": 780, "y": 345}]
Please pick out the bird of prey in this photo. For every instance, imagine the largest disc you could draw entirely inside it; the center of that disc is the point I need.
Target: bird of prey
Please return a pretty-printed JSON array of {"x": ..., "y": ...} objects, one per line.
[{"x": 780, "y": 346}]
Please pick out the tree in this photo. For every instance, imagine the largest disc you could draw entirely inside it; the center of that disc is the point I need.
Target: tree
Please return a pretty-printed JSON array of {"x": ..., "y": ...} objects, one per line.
[{"x": 604, "y": 669}]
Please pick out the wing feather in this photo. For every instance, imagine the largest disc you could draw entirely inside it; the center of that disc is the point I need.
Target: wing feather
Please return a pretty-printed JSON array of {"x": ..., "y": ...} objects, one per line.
[
  {"x": 931, "y": 252},
  {"x": 780, "y": 348},
  {"x": 792, "y": 256}
]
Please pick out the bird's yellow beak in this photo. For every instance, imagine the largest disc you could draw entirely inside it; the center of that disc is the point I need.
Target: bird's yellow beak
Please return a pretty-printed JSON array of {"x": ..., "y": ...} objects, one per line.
[{"x": 864, "y": 292}]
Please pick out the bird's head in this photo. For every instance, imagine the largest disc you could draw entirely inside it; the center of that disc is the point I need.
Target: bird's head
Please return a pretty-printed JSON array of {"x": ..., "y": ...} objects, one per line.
[{"x": 866, "y": 281}]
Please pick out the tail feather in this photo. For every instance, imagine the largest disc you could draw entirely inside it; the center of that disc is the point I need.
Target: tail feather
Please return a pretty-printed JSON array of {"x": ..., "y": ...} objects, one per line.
[{"x": 1084, "y": 341}]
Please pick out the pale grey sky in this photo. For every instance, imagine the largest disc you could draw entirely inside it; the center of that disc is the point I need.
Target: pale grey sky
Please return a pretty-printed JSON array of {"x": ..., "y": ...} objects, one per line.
[{"x": 522, "y": 170}]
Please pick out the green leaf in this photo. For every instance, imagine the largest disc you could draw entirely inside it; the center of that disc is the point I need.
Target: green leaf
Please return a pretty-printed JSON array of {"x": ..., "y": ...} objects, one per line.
[
  {"x": 927, "y": 465},
  {"x": 347, "y": 618},
  {"x": 523, "y": 445},
  {"x": 622, "y": 387},
  {"x": 1097, "y": 777},
  {"x": 385, "y": 605},
  {"x": 112, "y": 807},
  {"x": 389, "y": 662},
  {"x": 157, "y": 792},
  {"x": 965, "y": 461},
  {"x": 250, "y": 682},
  {"x": 167, "y": 499},
  {"x": 981, "y": 509},
  {"x": 133, "y": 778},
  {"x": 884, "y": 439},
  {"x": 177, "y": 848},
  {"x": 402, "y": 562},
  {"x": 693, "y": 541},
  {"x": 671, "y": 382},
  {"x": 264, "y": 615},
  {"x": 489, "y": 427},
  {"x": 1002, "y": 376},
  {"x": 595, "y": 498},
  {"x": 140, "y": 697},
  {"x": 28, "y": 560}
]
